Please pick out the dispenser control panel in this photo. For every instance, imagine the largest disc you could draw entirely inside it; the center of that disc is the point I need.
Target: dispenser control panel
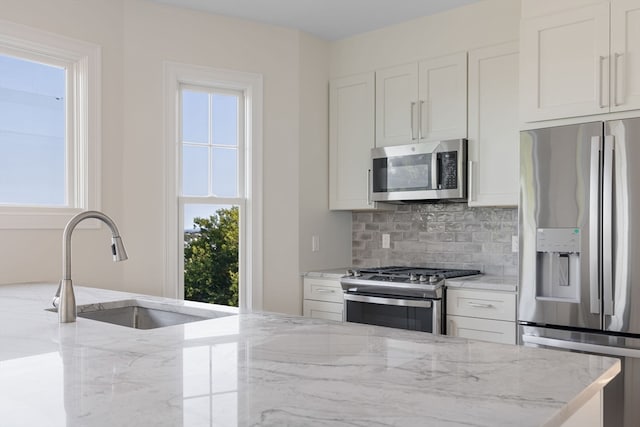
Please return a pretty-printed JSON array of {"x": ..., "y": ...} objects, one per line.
[{"x": 564, "y": 240}]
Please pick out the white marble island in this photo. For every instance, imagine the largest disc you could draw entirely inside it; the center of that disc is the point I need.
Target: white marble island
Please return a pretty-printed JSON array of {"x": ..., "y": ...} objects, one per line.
[{"x": 271, "y": 370}]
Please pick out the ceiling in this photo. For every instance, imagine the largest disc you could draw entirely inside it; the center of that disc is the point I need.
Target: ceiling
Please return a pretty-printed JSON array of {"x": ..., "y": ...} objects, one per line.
[{"x": 327, "y": 19}]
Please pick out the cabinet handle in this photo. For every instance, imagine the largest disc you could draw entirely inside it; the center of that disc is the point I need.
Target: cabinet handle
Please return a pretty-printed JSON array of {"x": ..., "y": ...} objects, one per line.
[
  {"x": 480, "y": 305},
  {"x": 325, "y": 291},
  {"x": 616, "y": 56},
  {"x": 413, "y": 105},
  {"x": 599, "y": 74},
  {"x": 420, "y": 120}
]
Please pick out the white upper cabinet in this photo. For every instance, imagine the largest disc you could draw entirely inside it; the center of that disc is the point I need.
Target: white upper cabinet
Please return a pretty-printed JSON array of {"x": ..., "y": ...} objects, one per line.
[
  {"x": 396, "y": 105},
  {"x": 625, "y": 55},
  {"x": 351, "y": 138},
  {"x": 494, "y": 136},
  {"x": 568, "y": 68},
  {"x": 423, "y": 101},
  {"x": 443, "y": 98}
]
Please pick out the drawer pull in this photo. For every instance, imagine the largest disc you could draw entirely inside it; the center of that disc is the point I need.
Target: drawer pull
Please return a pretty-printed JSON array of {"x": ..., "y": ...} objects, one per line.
[
  {"x": 326, "y": 291},
  {"x": 479, "y": 305}
]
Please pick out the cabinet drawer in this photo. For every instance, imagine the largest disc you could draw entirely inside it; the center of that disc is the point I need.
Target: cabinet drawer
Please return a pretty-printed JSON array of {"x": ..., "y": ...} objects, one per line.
[
  {"x": 322, "y": 310},
  {"x": 323, "y": 290},
  {"x": 497, "y": 331},
  {"x": 484, "y": 304}
]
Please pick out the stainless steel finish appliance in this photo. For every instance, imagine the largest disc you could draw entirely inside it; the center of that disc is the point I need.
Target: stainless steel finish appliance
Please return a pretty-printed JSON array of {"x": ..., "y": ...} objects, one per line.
[
  {"x": 580, "y": 248},
  {"x": 423, "y": 171},
  {"x": 398, "y": 297}
]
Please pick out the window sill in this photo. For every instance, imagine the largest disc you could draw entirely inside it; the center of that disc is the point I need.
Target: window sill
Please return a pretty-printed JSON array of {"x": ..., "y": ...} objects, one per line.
[{"x": 41, "y": 218}]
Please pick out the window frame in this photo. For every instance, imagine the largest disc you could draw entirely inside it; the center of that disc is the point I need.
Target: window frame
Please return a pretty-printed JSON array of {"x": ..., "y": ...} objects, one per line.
[
  {"x": 177, "y": 75},
  {"x": 82, "y": 61}
]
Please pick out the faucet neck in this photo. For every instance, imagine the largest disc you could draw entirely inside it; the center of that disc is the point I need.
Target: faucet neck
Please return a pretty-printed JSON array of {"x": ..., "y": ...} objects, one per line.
[{"x": 68, "y": 231}]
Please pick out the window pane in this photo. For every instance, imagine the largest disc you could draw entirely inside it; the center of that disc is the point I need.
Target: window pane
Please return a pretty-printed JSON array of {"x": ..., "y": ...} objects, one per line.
[
  {"x": 225, "y": 172},
  {"x": 195, "y": 170},
  {"x": 195, "y": 113},
  {"x": 225, "y": 119},
  {"x": 32, "y": 133},
  {"x": 211, "y": 253}
]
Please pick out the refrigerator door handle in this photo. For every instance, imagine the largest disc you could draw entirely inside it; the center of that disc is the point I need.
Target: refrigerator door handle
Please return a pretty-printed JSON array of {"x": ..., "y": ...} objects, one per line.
[
  {"x": 580, "y": 346},
  {"x": 607, "y": 226},
  {"x": 594, "y": 226}
]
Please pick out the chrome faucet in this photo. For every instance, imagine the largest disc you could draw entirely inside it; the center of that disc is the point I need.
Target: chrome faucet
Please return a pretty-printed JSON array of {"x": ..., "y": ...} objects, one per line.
[{"x": 65, "y": 299}]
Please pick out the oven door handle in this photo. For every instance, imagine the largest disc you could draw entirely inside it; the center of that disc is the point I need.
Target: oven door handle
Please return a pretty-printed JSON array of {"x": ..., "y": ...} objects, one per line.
[{"x": 388, "y": 301}]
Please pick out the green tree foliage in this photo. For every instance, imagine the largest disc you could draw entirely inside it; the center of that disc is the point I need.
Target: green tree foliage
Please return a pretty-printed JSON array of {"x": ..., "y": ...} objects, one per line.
[{"x": 211, "y": 259}]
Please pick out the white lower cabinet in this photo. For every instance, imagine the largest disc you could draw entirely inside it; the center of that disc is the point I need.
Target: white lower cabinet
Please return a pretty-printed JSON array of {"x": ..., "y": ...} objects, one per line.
[
  {"x": 482, "y": 315},
  {"x": 323, "y": 299}
]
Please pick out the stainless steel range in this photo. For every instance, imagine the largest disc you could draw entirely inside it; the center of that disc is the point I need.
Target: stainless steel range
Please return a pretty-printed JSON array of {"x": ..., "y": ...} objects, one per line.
[{"x": 398, "y": 297}]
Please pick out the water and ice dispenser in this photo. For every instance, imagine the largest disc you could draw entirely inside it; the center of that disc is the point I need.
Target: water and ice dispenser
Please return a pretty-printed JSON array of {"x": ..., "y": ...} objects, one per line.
[{"x": 558, "y": 264}]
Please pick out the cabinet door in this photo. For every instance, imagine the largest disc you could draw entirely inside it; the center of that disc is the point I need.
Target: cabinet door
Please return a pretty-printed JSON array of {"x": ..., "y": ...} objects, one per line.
[
  {"x": 625, "y": 55},
  {"x": 494, "y": 136},
  {"x": 396, "y": 105},
  {"x": 442, "y": 100},
  {"x": 322, "y": 310},
  {"x": 351, "y": 138},
  {"x": 565, "y": 64}
]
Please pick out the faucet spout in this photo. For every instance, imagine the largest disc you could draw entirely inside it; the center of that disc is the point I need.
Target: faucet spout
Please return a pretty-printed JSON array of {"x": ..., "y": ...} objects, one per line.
[{"x": 65, "y": 298}]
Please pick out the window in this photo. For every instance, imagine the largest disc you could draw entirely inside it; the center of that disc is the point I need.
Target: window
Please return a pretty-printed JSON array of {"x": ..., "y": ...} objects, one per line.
[
  {"x": 49, "y": 128},
  {"x": 211, "y": 199},
  {"x": 213, "y": 137}
]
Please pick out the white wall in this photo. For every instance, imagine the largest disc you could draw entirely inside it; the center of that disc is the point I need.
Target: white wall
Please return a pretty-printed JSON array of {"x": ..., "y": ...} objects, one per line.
[
  {"x": 155, "y": 33},
  {"x": 333, "y": 228},
  {"x": 137, "y": 36},
  {"x": 480, "y": 24},
  {"x": 35, "y": 255}
]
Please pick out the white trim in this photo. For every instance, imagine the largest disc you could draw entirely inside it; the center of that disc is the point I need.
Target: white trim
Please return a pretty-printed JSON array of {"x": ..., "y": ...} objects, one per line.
[
  {"x": 84, "y": 133},
  {"x": 176, "y": 74}
]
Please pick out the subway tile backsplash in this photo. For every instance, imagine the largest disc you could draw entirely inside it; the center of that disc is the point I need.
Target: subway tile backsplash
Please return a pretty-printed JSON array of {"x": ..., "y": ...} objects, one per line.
[{"x": 449, "y": 235}]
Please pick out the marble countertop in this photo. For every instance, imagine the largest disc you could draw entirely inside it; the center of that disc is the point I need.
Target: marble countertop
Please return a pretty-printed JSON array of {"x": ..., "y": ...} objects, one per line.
[
  {"x": 332, "y": 273},
  {"x": 265, "y": 369},
  {"x": 487, "y": 283}
]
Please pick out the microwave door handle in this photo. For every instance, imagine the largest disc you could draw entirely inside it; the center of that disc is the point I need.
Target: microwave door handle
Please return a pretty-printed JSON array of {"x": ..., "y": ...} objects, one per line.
[
  {"x": 607, "y": 226},
  {"x": 594, "y": 226},
  {"x": 369, "y": 187},
  {"x": 435, "y": 182}
]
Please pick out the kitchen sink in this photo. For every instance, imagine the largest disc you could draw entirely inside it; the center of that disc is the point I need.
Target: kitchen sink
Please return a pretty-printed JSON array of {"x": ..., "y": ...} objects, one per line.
[{"x": 142, "y": 314}]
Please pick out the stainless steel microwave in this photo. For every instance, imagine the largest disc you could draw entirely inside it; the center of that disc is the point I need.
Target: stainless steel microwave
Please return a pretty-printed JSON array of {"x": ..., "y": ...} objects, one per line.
[{"x": 426, "y": 171}]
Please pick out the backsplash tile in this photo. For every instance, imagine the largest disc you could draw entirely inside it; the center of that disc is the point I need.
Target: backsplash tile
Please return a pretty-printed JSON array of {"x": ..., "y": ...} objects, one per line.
[{"x": 450, "y": 235}]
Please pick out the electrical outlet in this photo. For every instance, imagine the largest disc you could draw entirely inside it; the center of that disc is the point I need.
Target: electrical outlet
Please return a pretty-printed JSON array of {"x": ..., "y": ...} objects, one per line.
[
  {"x": 514, "y": 243},
  {"x": 315, "y": 243},
  {"x": 386, "y": 241}
]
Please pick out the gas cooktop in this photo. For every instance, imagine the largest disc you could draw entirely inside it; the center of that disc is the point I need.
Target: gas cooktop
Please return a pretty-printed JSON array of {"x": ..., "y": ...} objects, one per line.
[{"x": 423, "y": 282}]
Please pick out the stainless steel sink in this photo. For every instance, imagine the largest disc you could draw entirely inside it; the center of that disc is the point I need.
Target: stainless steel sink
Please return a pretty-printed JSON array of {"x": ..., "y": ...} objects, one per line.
[{"x": 142, "y": 314}]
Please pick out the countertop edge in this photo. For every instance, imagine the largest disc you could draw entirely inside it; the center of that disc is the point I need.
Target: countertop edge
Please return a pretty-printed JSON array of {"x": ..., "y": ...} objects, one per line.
[{"x": 583, "y": 397}]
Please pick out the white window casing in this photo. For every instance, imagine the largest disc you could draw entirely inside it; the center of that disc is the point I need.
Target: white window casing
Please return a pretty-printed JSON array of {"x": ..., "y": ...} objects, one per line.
[{"x": 176, "y": 77}]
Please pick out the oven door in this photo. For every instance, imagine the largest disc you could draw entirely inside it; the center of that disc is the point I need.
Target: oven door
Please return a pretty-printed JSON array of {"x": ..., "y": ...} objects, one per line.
[{"x": 394, "y": 312}]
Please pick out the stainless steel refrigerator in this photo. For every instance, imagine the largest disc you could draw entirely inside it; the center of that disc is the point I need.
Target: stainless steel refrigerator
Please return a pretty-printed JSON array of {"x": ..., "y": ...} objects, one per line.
[{"x": 579, "y": 221}]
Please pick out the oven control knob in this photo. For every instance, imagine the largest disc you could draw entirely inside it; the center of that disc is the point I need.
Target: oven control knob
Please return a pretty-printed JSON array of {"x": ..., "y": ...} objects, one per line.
[
  {"x": 356, "y": 273},
  {"x": 423, "y": 278},
  {"x": 413, "y": 277},
  {"x": 435, "y": 278}
]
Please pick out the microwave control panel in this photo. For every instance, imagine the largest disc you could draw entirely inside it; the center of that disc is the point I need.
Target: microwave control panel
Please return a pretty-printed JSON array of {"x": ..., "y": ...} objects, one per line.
[{"x": 448, "y": 176}]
